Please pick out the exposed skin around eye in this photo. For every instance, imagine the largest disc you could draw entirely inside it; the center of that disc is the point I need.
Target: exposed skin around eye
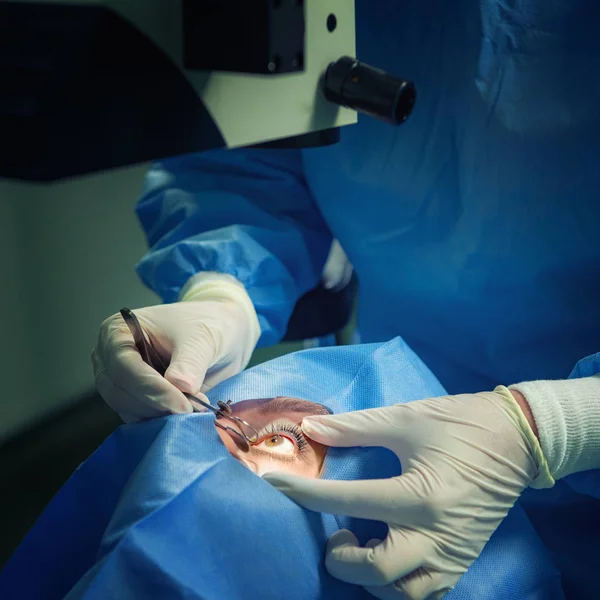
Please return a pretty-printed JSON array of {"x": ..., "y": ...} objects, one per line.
[{"x": 277, "y": 449}]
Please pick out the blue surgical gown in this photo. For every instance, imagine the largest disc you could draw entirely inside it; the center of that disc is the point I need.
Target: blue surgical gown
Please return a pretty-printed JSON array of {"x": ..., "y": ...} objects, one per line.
[{"x": 473, "y": 227}]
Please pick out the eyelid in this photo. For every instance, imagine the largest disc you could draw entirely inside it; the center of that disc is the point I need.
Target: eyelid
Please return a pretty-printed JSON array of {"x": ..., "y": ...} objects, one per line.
[
  {"x": 277, "y": 426},
  {"x": 277, "y": 457},
  {"x": 263, "y": 434},
  {"x": 282, "y": 428}
]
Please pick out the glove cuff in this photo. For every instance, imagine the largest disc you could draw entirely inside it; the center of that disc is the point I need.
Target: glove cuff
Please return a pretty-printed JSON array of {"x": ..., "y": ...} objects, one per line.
[
  {"x": 197, "y": 284},
  {"x": 220, "y": 286},
  {"x": 567, "y": 414},
  {"x": 544, "y": 477}
]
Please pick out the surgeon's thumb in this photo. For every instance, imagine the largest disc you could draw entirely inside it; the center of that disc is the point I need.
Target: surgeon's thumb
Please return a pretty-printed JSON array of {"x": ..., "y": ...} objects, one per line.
[
  {"x": 359, "y": 428},
  {"x": 188, "y": 367}
]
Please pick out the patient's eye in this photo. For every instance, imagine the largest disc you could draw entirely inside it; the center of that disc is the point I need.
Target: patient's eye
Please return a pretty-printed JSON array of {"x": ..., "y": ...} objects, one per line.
[
  {"x": 278, "y": 444},
  {"x": 283, "y": 438}
]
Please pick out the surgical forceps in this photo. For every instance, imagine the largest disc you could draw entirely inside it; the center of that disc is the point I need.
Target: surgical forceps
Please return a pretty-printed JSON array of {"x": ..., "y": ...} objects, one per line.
[{"x": 150, "y": 356}]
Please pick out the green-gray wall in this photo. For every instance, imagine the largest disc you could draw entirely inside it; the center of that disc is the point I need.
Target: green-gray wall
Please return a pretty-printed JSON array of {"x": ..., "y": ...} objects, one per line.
[{"x": 67, "y": 253}]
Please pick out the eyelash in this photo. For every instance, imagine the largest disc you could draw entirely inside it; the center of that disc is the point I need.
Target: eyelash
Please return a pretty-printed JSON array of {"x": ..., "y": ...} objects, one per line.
[{"x": 279, "y": 429}]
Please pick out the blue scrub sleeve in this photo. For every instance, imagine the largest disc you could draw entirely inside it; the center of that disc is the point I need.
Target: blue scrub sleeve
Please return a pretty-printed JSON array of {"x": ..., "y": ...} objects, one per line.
[{"x": 248, "y": 213}]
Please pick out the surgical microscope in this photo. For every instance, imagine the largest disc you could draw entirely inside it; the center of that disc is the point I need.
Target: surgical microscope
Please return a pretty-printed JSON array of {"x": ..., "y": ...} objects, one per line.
[{"x": 92, "y": 85}]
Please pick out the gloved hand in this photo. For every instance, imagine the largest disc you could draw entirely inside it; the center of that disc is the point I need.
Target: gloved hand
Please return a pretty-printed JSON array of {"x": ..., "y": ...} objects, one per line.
[
  {"x": 206, "y": 337},
  {"x": 465, "y": 460}
]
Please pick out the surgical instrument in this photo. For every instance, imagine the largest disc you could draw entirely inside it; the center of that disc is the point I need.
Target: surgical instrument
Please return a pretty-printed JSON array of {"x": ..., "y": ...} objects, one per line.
[{"x": 150, "y": 356}]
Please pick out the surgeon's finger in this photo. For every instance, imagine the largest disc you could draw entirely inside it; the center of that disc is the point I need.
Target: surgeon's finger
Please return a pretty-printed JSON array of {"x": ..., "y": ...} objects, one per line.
[
  {"x": 419, "y": 585},
  {"x": 388, "y": 500},
  {"x": 218, "y": 373},
  {"x": 141, "y": 406},
  {"x": 129, "y": 408},
  {"x": 116, "y": 353},
  {"x": 425, "y": 584},
  {"x": 377, "y": 564},
  {"x": 128, "y": 370},
  {"x": 97, "y": 364},
  {"x": 191, "y": 360},
  {"x": 360, "y": 428},
  {"x": 386, "y": 592}
]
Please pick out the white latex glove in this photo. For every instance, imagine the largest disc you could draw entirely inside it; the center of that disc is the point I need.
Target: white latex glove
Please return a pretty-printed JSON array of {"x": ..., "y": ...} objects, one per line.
[
  {"x": 337, "y": 272},
  {"x": 465, "y": 459},
  {"x": 205, "y": 338}
]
